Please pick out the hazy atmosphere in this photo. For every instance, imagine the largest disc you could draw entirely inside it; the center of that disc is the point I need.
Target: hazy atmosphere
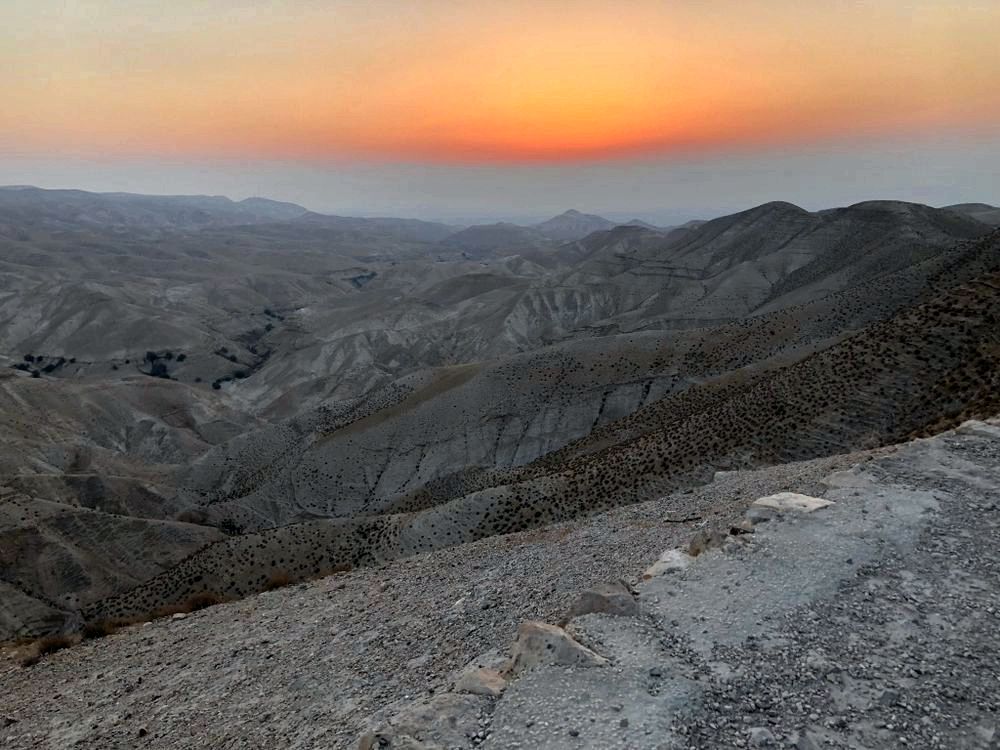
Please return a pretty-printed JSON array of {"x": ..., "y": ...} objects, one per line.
[{"x": 492, "y": 109}]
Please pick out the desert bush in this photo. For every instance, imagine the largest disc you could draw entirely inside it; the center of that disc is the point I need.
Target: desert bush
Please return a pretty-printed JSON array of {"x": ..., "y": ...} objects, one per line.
[
  {"x": 230, "y": 527},
  {"x": 191, "y": 515},
  {"x": 98, "y": 629},
  {"x": 46, "y": 645},
  {"x": 201, "y": 600},
  {"x": 277, "y": 580}
]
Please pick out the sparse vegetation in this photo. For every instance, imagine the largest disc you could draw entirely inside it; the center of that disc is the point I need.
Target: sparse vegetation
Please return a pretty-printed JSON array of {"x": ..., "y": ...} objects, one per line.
[
  {"x": 99, "y": 629},
  {"x": 201, "y": 600},
  {"x": 277, "y": 580},
  {"x": 230, "y": 527},
  {"x": 46, "y": 645},
  {"x": 192, "y": 515}
]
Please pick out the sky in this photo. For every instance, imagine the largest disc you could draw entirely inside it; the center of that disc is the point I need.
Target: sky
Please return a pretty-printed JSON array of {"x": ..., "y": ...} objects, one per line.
[{"x": 504, "y": 108}]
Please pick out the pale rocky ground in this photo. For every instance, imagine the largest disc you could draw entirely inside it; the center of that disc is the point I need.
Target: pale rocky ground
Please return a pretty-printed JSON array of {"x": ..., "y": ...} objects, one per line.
[
  {"x": 870, "y": 623},
  {"x": 309, "y": 666}
]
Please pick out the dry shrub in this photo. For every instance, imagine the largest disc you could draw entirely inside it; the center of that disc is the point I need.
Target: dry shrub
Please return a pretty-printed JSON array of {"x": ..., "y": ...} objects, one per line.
[
  {"x": 278, "y": 580},
  {"x": 46, "y": 645},
  {"x": 98, "y": 629},
  {"x": 193, "y": 603}
]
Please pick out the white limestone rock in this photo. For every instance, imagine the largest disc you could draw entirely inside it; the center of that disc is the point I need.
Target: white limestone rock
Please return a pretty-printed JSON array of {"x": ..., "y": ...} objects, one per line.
[{"x": 792, "y": 501}]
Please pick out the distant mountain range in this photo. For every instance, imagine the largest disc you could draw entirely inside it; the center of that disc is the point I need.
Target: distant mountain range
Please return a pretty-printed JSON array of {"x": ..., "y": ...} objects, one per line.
[
  {"x": 34, "y": 208},
  {"x": 29, "y": 208}
]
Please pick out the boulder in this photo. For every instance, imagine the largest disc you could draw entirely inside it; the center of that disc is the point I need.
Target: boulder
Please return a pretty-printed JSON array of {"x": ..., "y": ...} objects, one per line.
[
  {"x": 480, "y": 681},
  {"x": 606, "y": 598},
  {"x": 442, "y": 721},
  {"x": 671, "y": 560},
  {"x": 539, "y": 643}
]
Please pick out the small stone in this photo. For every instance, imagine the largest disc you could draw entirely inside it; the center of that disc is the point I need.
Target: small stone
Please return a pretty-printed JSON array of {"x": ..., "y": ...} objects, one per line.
[
  {"x": 756, "y": 515},
  {"x": 671, "y": 560},
  {"x": 705, "y": 540},
  {"x": 179, "y": 616},
  {"x": 761, "y": 737},
  {"x": 481, "y": 681},
  {"x": 888, "y": 698},
  {"x": 807, "y": 741}
]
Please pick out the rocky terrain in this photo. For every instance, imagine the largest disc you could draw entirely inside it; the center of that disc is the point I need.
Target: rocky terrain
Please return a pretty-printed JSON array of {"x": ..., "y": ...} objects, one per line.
[
  {"x": 885, "y": 639},
  {"x": 204, "y": 398}
]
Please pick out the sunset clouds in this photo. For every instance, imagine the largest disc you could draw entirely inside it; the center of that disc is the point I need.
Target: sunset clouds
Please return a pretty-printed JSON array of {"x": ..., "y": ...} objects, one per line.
[{"x": 487, "y": 81}]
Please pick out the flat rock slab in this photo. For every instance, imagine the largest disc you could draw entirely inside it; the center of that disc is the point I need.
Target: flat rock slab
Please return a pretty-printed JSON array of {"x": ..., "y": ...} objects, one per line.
[{"x": 792, "y": 501}]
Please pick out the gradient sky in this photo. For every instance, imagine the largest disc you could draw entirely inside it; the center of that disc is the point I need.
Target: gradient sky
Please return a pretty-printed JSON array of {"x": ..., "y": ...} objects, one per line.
[{"x": 506, "y": 108}]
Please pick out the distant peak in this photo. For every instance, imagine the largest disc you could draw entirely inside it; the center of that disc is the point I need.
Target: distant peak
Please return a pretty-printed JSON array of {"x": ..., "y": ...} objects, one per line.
[{"x": 780, "y": 206}]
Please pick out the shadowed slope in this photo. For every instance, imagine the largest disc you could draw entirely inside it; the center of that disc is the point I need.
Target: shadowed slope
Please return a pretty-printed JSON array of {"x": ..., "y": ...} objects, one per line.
[{"x": 928, "y": 366}]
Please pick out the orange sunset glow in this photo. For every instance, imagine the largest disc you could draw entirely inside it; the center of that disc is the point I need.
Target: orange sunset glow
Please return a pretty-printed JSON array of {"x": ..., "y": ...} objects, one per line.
[{"x": 487, "y": 81}]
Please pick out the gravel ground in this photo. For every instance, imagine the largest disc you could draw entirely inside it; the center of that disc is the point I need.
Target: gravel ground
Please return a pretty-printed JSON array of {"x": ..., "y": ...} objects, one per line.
[
  {"x": 871, "y": 624},
  {"x": 907, "y": 654},
  {"x": 308, "y": 666}
]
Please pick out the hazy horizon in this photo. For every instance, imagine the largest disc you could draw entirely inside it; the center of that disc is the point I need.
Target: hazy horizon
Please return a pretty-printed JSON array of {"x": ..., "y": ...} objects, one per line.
[
  {"x": 506, "y": 110},
  {"x": 932, "y": 170}
]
